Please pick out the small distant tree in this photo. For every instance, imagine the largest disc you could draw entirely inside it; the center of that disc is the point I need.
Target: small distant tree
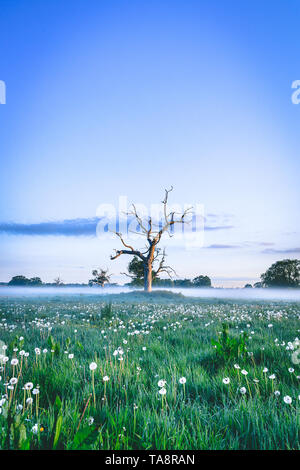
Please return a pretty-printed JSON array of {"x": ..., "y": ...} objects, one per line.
[
  {"x": 202, "y": 281},
  {"x": 35, "y": 281},
  {"x": 58, "y": 281},
  {"x": 101, "y": 277},
  {"x": 284, "y": 273},
  {"x": 248, "y": 286},
  {"x": 258, "y": 285}
]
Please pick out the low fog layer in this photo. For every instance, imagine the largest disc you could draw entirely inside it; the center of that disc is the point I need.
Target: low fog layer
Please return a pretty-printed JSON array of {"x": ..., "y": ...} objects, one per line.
[{"x": 246, "y": 294}]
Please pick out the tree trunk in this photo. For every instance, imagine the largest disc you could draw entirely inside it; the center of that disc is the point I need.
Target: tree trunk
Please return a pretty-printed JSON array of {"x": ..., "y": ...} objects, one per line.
[{"x": 148, "y": 278}]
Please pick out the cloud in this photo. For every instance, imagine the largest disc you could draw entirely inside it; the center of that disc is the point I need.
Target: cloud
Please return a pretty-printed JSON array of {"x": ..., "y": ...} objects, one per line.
[
  {"x": 218, "y": 227},
  {"x": 277, "y": 251},
  {"x": 73, "y": 227},
  {"x": 218, "y": 247}
]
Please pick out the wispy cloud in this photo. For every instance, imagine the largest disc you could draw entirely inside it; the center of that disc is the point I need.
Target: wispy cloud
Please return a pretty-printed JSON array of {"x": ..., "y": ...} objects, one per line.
[
  {"x": 72, "y": 227},
  {"x": 284, "y": 251},
  {"x": 221, "y": 247},
  {"x": 218, "y": 227}
]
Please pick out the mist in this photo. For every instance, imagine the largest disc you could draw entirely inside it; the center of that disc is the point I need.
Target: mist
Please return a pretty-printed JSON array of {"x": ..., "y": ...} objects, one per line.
[{"x": 292, "y": 295}]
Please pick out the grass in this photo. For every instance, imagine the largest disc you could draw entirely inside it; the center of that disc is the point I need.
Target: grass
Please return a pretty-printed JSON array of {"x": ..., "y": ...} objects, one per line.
[{"x": 136, "y": 342}]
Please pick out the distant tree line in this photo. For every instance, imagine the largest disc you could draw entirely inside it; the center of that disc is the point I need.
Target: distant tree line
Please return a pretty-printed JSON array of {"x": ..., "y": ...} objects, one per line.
[{"x": 284, "y": 273}]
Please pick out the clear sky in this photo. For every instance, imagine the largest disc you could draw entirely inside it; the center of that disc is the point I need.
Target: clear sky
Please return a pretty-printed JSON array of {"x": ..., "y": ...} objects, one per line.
[{"x": 110, "y": 98}]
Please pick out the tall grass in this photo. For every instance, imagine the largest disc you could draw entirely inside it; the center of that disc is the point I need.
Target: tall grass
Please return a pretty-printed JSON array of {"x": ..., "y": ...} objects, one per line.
[{"x": 134, "y": 345}]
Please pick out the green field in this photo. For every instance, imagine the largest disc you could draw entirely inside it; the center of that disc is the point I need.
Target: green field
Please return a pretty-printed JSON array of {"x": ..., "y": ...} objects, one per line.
[{"x": 135, "y": 343}]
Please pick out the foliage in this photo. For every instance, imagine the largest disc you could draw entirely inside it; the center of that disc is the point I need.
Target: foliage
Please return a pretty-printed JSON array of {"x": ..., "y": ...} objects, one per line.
[
  {"x": 285, "y": 273},
  {"x": 107, "y": 312},
  {"x": 100, "y": 278},
  {"x": 202, "y": 281},
  {"x": 230, "y": 347},
  {"x": 24, "y": 281},
  {"x": 145, "y": 339}
]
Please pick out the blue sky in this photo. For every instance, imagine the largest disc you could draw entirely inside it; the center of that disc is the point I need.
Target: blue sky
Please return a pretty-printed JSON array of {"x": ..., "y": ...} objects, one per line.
[{"x": 121, "y": 97}]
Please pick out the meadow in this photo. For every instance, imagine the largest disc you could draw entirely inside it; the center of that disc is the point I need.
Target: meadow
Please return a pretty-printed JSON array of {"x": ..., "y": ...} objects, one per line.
[{"x": 156, "y": 371}]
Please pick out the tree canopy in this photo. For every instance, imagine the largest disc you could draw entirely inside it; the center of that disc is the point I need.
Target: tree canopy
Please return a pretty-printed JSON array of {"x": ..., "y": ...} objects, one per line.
[
  {"x": 24, "y": 281},
  {"x": 284, "y": 273}
]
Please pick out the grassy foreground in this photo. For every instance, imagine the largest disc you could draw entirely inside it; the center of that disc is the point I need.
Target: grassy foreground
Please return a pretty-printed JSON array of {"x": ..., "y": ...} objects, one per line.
[{"x": 77, "y": 374}]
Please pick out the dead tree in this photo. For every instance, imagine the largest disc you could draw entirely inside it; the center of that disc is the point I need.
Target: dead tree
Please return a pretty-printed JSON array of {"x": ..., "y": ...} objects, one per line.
[{"x": 153, "y": 237}]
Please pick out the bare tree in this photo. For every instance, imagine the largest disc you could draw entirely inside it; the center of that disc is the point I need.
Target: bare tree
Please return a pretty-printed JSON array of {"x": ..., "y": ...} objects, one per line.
[
  {"x": 100, "y": 277},
  {"x": 153, "y": 236},
  {"x": 58, "y": 281}
]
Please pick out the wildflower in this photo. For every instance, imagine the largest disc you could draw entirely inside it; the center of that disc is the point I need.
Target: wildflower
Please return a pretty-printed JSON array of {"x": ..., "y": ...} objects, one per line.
[
  {"x": 14, "y": 362},
  {"x": 29, "y": 401},
  {"x": 272, "y": 377},
  {"x": 71, "y": 356},
  {"x": 37, "y": 351},
  {"x": 265, "y": 370},
  {"x": 13, "y": 381},
  {"x": 34, "y": 429},
  {"x": 93, "y": 366},
  {"x": 226, "y": 380},
  {"x": 161, "y": 383},
  {"x": 28, "y": 386},
  {"x": 90, "y": 420},
  {"x": 182, "y": 380},
  {"x": 287, "y": 399},
  {"x": 105, "y": 378},
  {"x": 277, "y": 393},
  {"x": 35, "y": 391},
  {"x": 236, "y": 366},
  {"x": 244, "y": 372},
  {"x": 243, "y": 390},
  {"x": 162, "y": 391},
  {"x": 291, "y": 370}
]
